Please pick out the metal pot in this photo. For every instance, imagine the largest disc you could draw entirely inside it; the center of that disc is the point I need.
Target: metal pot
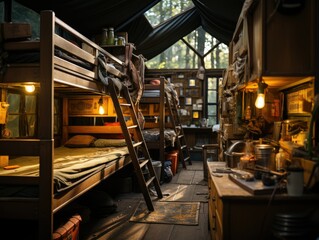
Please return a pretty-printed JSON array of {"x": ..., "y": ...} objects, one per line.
[
  {"x": 265, "y": 155},
  {"x": 234, "y": 153}
]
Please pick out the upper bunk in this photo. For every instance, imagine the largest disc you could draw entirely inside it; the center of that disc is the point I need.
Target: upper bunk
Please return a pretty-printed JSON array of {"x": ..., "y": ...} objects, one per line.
[
  {"x": 62, "y": 57},
  {"x": 63, "y": 63},
  {"x": 159, "y": 131}
]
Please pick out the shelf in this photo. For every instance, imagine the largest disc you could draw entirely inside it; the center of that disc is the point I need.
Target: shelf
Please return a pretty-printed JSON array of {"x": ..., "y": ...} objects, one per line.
[{"x": 95, "y": 129}]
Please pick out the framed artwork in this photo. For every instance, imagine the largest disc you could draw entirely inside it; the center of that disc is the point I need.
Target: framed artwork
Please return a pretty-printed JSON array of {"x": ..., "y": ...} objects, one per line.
[
  {"x": 195, "y": 114},
  {"x": 192, "y": 82},
  {"x": 194, "y": 92},
  {"x": 188, "y": 101},
  {"x": 83, "y": 106}
]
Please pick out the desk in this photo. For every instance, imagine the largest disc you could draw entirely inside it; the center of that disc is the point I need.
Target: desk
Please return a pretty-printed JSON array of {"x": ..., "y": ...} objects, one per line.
[
  {"x": 198, "y": 136},
  {"x": 234, "y": 213}
]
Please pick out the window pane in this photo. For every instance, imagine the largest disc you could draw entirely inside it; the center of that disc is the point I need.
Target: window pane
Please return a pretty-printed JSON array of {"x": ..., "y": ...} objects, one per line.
[
  {"x": 212, "y": 83},
  {"x": 212, "y": 120},
  {"x": 166, "y": 9},
  {"x": 31, "y": 125},
  {"x": 14, "y": 100},
  {"x": 211, "y": 96},
  {"x": 13, "y": 125},
  {"x": 180, "y": 55},
  {"x": 212, "y": 110},
  {"x": 30, "y": 104}
]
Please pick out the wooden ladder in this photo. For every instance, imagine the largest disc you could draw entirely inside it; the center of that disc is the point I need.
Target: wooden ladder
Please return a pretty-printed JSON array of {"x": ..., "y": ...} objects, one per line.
[
  {"x": 184, "y": 154},
  {"x": 137, "y": 147}
]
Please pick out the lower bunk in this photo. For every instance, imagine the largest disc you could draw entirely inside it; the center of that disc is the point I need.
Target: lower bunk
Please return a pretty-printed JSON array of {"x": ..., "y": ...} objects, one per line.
[{"x": 76, "y": 171}]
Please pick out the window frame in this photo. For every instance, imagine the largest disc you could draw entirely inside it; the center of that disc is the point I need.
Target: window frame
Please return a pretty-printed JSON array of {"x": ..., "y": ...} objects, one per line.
[{"x": 218, "y": 75}]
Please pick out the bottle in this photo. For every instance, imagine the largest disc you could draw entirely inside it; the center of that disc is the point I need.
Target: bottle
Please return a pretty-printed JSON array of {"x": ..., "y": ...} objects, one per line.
[
  {"x": 280, "y": 160},
  {"x": 110, "y": 36},
  {"x": 104, "y": 37}
]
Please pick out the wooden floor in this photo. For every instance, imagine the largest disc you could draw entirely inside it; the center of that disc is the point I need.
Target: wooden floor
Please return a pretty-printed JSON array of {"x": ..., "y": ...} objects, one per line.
[{"x": 186, "y": 185}]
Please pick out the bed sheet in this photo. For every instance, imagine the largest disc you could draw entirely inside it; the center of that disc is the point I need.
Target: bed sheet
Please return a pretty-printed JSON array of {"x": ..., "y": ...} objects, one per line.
[
  {"x": 71, "y": 166},
  {"x": 153, "y": 135}
]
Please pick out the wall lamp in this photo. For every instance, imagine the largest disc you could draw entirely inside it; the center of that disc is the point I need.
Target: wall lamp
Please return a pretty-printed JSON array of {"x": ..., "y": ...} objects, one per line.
[
  {"x": 260, "y": 100},
  {"x": 29, "y": 88},
  {"x": 101, "y": 108}
]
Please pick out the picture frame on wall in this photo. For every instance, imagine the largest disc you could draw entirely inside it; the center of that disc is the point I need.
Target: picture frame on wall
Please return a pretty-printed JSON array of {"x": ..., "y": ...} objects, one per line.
[
  {"x": 188, "y": 101},
  {"x": 191, "y": 82}
]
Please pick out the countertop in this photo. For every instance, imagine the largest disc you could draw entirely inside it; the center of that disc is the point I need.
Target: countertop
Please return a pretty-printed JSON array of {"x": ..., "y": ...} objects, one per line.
[{"x": 227, "y": 189}]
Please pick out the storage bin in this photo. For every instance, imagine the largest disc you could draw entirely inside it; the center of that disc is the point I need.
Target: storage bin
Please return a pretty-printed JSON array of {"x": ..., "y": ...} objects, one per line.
[
  {"x": 173, "y": 157},
  {"x": 70, "y": 230},
  {"x": 157, "y": 165}
]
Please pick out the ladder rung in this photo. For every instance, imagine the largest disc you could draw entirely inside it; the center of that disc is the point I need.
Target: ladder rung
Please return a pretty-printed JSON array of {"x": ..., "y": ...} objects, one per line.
[
  {"x": 125, "y": 104},
  {"x": 180, "y": 136},
  {"x": 187, "y": 158},
  {"x": 137, "y": 144},
  {"x": 184, "y": 146},
  {"x": 149, "y": 181},
  {"x": 144, "y": 162},
  {"x": 132, "y": 126}
]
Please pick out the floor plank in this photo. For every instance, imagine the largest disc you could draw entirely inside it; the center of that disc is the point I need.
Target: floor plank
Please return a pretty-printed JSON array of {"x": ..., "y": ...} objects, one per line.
[{"x": 187, "y": 185}]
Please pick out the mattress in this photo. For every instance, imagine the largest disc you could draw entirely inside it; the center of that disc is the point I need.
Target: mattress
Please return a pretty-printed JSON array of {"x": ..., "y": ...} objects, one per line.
[
  {"x": 71, "y": 166},
  {"x": 153, "y": 135}
]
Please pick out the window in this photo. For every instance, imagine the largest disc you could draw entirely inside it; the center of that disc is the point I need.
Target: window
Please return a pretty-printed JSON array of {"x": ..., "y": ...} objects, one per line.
[
  {"x": 165, "y": 10},
  {"x": 189, "y": 52},
  {"x": 212, "y": 100},
  {"x": 23, "y": 14},
  {"x": 21, "y": 115}
]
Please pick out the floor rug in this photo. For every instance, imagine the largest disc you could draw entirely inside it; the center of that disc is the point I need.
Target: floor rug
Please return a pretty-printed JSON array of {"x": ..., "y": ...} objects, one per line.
[{"x": 181, "y": 213}]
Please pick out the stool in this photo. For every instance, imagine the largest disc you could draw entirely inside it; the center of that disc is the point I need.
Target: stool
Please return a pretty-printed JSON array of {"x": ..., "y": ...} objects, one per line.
[{"x": 209, "y": 150}]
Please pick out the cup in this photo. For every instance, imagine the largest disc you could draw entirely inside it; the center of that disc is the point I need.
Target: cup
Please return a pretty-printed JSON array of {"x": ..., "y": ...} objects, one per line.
[{"x": 295, "y": 183}]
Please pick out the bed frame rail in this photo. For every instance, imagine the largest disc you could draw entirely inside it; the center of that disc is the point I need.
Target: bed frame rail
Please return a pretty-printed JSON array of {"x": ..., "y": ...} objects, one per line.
[{"x": 52, "y": 74}]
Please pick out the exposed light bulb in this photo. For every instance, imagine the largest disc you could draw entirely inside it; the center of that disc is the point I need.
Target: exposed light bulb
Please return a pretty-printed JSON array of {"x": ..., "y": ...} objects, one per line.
[
  {"x": 101, "y": 110},
  {"x": 260, "y": 100},
  {"x": 29, "y": 88}
]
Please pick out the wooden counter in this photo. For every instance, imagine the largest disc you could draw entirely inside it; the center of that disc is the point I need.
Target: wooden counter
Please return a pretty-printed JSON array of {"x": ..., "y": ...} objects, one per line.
[{"x": 234, "y": 213}]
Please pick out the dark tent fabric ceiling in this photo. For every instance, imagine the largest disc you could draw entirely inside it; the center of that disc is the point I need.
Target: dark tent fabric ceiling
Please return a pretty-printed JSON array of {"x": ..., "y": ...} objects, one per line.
[{"x": 217, "y": 17}]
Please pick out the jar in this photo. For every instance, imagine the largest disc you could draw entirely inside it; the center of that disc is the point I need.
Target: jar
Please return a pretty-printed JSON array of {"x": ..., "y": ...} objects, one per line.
[
  {"x": 115, "y": 41},
  {"x": 110, "y": 36},
  {"x": 280, "y": 160},
  {"x": 104, "y": 36},
  {"x": 121, "y": 41}
]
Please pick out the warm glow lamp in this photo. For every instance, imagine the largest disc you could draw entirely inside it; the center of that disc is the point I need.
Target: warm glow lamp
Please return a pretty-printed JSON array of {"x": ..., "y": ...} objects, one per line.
[
  {"x": 260, "y": 100},
  {"x": 101, "y": 108},
  {"x": 29, "y": 88}
]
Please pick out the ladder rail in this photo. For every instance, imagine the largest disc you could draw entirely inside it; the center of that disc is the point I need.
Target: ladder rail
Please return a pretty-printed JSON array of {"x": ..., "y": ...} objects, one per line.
[
  {"x": 139, "y": 144},
  {"x": 184, "y": 154}
]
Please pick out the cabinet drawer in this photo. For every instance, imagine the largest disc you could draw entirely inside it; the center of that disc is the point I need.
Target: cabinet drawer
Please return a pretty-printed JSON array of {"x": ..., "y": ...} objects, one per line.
[
  {"x": 219, "y": 207},
  {"x": 218, "y": 226}
]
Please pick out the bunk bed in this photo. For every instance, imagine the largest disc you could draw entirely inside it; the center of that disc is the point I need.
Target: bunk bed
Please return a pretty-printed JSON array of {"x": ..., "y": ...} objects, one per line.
[
  {"x": 61, "y": 67},
  {"x": 160, "y": 134}
]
